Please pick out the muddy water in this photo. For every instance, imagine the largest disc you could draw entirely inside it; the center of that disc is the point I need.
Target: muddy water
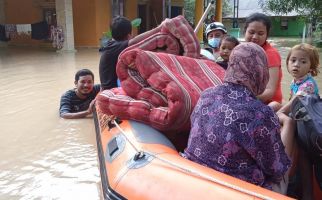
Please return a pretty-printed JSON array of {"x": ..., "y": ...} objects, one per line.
[{"x": 43, "y": 156}]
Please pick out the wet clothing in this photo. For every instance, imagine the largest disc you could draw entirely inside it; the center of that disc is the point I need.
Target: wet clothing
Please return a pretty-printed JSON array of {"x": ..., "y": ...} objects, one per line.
[
  {"x": 3, "y": 34},
  {"x": 39, "y": 31},
  {"x": 71, "y": 103},
  {"x": 11, "y": 31},
  {"x": 304, "y": 87},
  {"x": 233, "y": 132},
  {"x": 274, "y": 60},
  {"x": 108, "y": 61}
]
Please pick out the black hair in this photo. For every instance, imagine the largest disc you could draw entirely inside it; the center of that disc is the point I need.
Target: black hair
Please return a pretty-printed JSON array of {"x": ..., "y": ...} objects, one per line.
[
  {"x": 260, "y": 17},
  {"x": 83, "y": 72},
  {"x": 120, "y": 28},
  {"x": 229, "y": 38}
]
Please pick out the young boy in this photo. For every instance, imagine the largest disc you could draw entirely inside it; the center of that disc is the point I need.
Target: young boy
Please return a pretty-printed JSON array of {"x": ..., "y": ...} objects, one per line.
[
  {"x": 121, "y": 29},
  {"x": 227, "y": 44}
]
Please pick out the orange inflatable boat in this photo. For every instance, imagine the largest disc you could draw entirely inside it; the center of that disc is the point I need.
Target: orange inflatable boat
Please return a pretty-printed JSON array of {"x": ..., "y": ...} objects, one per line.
[{"x": 138, "y": 162}]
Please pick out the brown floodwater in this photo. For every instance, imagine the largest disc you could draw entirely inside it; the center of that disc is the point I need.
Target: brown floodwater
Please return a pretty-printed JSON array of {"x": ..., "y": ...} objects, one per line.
[{"x": 43, "y": 156}]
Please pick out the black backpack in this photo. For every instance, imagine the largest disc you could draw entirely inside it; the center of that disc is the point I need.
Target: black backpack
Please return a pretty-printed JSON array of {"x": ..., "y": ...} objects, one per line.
[{"x": 307, "y": 112}]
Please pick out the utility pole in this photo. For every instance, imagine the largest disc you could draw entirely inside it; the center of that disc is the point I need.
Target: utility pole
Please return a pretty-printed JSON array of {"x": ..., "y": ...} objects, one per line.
[{"x": 235, "y": 19}]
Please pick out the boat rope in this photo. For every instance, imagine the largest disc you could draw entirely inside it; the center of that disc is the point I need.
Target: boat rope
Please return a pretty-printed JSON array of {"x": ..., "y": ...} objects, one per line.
[
  {"x": 195, "y": 173},
  {"x": 124, "y": 134}
]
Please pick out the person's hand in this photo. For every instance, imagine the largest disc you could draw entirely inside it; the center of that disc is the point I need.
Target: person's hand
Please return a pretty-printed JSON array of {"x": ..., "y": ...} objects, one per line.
[
  {"x": 90, "y": 107},
  {"x": 281, "y": 117}
]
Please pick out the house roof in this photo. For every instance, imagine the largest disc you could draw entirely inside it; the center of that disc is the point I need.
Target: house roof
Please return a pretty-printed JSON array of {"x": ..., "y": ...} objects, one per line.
[{"x": 247, "y": 7}]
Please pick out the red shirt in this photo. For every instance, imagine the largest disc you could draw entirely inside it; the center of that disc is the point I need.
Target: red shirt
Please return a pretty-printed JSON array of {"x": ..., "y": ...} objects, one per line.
[{"x": 274, "y": 60}]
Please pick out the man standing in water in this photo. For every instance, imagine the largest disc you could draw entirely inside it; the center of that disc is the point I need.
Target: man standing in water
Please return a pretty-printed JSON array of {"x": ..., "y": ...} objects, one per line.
[{"x": 79, "y": 102}]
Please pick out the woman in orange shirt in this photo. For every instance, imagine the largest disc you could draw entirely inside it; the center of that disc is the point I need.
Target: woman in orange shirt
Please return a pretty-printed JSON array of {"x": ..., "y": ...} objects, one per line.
[{"x": 257, "y": 28}]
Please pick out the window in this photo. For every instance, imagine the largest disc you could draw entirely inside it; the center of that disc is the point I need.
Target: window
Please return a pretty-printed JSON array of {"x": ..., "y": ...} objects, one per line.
[
  {"x": 118, "y": 7},
  {"x": 284, "y": 24}
]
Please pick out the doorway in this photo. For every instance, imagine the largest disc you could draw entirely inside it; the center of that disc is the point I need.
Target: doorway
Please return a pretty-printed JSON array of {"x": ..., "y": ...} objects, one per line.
[{"x": 143, "y": 13}]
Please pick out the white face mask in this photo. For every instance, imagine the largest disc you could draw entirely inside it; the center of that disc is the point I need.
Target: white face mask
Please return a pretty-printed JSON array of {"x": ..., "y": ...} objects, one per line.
[{"x": 214, "y": 42}]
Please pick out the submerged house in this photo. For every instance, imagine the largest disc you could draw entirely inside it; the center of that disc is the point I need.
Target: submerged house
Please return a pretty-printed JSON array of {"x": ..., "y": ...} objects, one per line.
[
  {"x": 83, "y": 21},
  {"x": 289, "y": 25}
]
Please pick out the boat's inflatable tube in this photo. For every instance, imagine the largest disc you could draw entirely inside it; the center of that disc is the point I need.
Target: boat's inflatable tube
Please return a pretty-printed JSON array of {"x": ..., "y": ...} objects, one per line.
[{"x": 138, "y": 162}]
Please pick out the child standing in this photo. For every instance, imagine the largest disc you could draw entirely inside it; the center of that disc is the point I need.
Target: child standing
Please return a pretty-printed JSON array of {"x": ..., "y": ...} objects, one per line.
[
  {"x": 303, "y": 83},
  {"x": 226, "y": 45},
  {"x": 302, "y": 63}
]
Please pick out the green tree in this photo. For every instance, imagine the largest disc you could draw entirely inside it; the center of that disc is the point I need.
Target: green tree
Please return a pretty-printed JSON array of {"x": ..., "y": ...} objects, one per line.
[
  {"x": 311, "y": 11},
  {"x": 312, "y": 8},
  {"x": 189, "y": 10}
]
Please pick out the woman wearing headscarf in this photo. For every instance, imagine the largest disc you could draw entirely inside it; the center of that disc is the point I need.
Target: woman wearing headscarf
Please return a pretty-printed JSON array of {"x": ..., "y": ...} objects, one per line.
[{"x": 232, "y": 131}]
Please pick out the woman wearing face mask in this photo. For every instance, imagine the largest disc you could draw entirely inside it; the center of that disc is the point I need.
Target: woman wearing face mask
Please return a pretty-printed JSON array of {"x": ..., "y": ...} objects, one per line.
[{"x": 214, "y": 33}]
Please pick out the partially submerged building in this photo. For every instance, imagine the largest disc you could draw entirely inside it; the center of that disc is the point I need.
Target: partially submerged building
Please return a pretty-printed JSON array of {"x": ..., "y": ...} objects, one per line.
[
  {"x": 288, "y": 25},
  {"x": 82, "y": 21}
]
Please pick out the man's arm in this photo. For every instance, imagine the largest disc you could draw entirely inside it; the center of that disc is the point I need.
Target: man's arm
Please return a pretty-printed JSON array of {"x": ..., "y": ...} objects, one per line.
[
  {"x": 144, "y": 35},
  {"x": 77, "y": 115}
]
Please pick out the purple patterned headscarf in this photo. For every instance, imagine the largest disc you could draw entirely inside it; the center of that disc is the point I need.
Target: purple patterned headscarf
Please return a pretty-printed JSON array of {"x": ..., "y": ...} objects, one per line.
[{"x": 248, "y": 66}]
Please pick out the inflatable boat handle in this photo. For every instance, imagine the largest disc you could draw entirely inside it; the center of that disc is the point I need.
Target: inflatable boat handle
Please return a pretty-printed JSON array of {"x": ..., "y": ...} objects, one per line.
[
  {"x": 139, "y": 155},
  {"x": 111, "y": 123}
]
